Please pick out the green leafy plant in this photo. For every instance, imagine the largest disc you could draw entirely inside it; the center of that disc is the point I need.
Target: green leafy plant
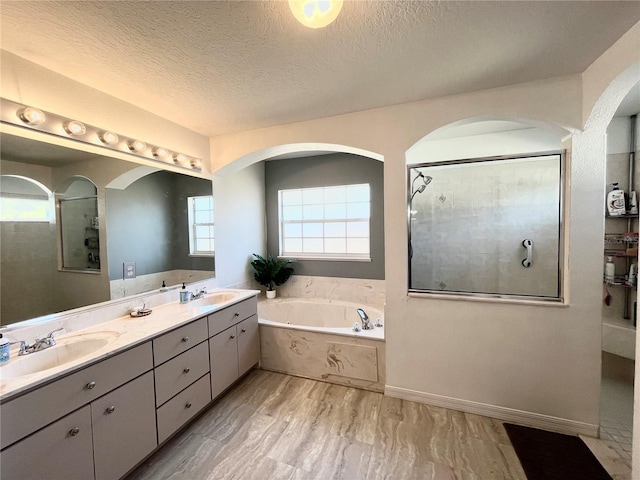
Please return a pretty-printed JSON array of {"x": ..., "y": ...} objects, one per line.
[{"x": 271, "y": 271}]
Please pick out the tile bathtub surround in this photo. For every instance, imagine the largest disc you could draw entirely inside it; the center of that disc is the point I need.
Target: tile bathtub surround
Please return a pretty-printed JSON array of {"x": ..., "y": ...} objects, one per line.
[
  {"x": 353, "y": 361},
  {"x": 358, "y": 290}
]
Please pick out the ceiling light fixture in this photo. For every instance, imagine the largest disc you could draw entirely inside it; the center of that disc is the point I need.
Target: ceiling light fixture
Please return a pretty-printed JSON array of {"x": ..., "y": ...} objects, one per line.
[
  {"x": 315, "y": 13},
  {"x": 109, "y": 138},
  {"x": 137, "y": 146},
  {"x": 74, "y": 127},
  {"x": 31, "y": 115}
]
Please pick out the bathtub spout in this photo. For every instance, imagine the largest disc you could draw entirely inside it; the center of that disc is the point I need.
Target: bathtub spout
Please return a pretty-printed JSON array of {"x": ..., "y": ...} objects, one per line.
[{"x": 366, "y": 323}]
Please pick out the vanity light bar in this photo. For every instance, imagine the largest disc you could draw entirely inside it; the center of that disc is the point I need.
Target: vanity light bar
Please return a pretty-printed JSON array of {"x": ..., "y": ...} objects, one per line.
[{"x": 34, "y": 118}]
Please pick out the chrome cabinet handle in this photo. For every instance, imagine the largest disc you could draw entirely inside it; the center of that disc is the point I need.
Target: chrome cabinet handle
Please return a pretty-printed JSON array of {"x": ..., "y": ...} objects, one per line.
[
  {"x": 528, "y": 244},
  {"x": 244, "y": 330},
  {"x": 74, "y": 431},
  {"x": 90, "y": 385},
  {"x": 237, "y": 314},
  {"x": 185, "y": 339},
  {"x": 188, "y": 405},
  {"x": 111, "y": 409},
  {"x": 232, "y": 337},
  {"x": 186, "y": 370}
]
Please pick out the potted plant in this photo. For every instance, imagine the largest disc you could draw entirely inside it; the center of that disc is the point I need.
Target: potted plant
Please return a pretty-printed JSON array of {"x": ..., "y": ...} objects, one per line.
[{"x": 271, "y": 272}]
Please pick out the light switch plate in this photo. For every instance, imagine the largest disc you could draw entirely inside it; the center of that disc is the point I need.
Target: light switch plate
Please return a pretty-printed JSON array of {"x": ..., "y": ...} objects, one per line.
[{"x": 129, "y": 270}]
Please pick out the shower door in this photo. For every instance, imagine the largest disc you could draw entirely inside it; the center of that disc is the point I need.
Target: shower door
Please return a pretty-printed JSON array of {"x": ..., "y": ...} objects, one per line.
[{"x": 489, "y": 227}]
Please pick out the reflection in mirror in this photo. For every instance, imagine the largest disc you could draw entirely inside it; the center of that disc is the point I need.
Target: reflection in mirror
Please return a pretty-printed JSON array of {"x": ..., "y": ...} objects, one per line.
[
  {"x": 487, "y": 226},
  {"x": 148, "y": 225},
  {"x": 138, "y": 215},
  {"x": 78, "y": 209}
]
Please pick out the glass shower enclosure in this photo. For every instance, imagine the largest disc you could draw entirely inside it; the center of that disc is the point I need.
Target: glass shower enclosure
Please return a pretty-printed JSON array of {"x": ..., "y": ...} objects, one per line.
[{"x": 487, "y": 226}]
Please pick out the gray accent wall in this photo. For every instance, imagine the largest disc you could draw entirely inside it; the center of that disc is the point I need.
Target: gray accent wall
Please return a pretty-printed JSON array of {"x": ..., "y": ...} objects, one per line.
[
  {"x": 147, "y": 223},
  {"x": 329, "y": 170}
]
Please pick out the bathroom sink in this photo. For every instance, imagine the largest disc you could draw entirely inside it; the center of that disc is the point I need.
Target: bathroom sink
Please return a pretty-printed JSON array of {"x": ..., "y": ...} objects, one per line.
[
  {"x": 215, "y": 298},
  {"x": 66, "y": 350}
]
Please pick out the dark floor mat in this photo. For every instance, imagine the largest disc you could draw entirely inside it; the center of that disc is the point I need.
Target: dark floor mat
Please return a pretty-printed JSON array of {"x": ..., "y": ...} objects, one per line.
[{"x": 550, "y": 456}]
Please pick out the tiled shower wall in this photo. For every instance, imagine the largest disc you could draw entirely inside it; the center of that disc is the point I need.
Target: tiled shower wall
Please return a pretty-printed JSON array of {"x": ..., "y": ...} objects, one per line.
[{"x": 467, "y": 228}]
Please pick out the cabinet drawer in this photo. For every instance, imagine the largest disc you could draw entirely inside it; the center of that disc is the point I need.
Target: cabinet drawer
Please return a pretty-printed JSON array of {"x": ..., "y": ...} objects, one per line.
[
  {"x": 180, "y": 372},
  {"x": 63, "y": 450},
  {"x": 229, "y": 316},
  {"x": 32, "y": 411},
  {"x": 179, "y": 340},
  {"x": 177, "y": 411}
]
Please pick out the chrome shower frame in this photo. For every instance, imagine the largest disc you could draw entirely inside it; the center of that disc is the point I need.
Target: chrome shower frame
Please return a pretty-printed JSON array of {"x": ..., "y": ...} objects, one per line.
[{"x": 415, "y": 292}]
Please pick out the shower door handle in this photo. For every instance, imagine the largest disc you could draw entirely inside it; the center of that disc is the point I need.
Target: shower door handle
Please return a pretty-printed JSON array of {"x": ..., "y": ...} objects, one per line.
[{"x": 528, "y": 244}]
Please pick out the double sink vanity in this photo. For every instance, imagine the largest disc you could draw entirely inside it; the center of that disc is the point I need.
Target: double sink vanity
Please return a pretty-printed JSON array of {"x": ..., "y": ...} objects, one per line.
[{"x": 105, "y": 397}]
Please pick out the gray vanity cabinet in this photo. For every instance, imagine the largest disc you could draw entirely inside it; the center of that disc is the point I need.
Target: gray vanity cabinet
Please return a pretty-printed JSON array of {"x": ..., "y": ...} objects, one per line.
[
  {"x": 61, "y": 451},
  {"x": 124, "y": 428}
]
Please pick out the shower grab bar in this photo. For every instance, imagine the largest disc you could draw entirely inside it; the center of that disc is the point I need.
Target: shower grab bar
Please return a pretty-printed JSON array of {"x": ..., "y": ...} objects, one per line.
[{"x": 528, "y": 244}]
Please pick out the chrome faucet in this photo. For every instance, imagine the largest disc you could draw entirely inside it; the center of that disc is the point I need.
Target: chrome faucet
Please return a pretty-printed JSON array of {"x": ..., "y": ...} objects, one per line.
[
  {"x": 39, "y": 344},
  {"x": 199, "y": 294},
  {"x": 366, "y": 323}
]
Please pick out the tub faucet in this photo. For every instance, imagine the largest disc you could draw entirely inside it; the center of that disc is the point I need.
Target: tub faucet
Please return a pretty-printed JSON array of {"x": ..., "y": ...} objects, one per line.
[{"x": 366, "y": 323}]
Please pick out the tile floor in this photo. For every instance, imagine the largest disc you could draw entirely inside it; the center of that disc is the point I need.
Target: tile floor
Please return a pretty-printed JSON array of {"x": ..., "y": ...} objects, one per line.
[{"x": 616, "y": 415}]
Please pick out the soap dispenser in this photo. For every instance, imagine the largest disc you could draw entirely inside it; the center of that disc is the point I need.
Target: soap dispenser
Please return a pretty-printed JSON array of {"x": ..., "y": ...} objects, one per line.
[
  {"x": 4, "y": 349},
  {"x": 184, "y": 294}
]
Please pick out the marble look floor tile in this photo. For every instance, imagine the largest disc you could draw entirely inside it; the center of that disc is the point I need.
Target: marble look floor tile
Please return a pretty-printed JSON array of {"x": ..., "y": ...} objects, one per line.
[{"x": 274, "y": 426}]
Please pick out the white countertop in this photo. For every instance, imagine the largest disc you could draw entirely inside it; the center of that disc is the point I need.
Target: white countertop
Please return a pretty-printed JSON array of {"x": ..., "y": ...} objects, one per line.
[{"x": 129, "y": 332}]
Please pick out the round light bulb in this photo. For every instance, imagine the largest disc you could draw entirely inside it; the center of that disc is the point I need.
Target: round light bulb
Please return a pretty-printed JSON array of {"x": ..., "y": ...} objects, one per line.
[
  {"x": 180, "y": 159},
  {"x": 32, "y": 116},
  {"x": 109, "y": 138},
  {"x": 315, "y": 13},
  {"x": 73, "y": 127},
  {"x": 160, "y": 152},
  {"x": 196, "y": 163},
  {"x": 137, "y": 146}
]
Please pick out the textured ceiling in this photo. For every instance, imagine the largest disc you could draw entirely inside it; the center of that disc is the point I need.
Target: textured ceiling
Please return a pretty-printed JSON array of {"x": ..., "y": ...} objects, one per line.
[{"x": 218, "y": 67}]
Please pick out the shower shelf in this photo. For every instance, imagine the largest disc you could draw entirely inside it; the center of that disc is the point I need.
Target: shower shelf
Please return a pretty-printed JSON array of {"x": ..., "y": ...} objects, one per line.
[{"x": 626, "y": 215}]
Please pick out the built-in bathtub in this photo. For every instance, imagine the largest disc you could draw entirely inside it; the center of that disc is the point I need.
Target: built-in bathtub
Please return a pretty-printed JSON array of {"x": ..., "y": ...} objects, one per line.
[{"x": 314, "y": 338}]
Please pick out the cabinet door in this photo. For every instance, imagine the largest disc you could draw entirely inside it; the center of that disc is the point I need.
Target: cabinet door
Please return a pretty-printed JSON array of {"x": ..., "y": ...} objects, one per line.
[
  {"x": 248, "y": 344},
  {"x": 224, "y": 360},
  {"x": 63, "y": 451},
  {"x": 124, "y": 427}
]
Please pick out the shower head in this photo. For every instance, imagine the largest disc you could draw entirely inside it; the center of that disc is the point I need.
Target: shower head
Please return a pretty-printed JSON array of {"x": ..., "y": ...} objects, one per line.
[{"x": 425, "y": 181}]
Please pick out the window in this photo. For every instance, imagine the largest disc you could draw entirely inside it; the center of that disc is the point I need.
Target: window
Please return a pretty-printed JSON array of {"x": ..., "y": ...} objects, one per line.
[
  {"x": 201, "y": 225},
  {"x": 325, "y": 222},
  {"x": 24, "y": 200}
]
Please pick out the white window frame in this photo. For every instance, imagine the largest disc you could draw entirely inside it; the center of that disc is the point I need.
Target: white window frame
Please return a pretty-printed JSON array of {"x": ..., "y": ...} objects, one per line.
[
  {"x": 346, "y": 219},
  {"x": 191, "y": 208}
]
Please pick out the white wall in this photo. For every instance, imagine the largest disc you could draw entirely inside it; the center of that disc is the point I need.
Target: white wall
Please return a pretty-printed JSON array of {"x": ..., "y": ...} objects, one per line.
[{"x": 239, "y": 205}]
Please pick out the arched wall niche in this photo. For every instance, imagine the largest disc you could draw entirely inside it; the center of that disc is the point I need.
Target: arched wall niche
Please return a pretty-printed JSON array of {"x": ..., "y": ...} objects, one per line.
[{"x": 291, "y": 149}]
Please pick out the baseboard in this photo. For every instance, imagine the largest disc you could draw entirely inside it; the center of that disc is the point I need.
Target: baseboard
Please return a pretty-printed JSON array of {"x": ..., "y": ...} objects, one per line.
[{"x": 545, "y": 422}]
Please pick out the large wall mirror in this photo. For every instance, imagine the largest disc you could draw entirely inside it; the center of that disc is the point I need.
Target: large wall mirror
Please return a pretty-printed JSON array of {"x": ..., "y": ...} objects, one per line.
[{"x": 79, "y": 228}]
